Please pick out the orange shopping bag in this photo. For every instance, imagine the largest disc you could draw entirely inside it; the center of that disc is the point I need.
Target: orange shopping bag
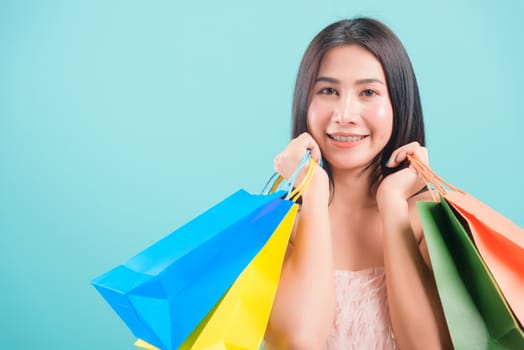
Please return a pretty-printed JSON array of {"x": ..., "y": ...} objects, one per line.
[{"x": 499, "y": 241}]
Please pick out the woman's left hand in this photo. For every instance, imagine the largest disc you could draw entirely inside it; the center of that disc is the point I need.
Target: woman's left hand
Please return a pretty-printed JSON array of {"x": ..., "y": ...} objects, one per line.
[{"x": 404, "y": 183}]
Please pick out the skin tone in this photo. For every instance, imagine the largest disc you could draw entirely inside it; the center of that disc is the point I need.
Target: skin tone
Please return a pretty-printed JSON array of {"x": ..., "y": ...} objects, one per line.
[{"x": 350, "y": 121}]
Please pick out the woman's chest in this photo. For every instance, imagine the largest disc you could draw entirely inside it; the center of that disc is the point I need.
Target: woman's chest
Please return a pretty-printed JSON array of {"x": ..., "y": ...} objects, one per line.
[{"x": 357, "y": 241}]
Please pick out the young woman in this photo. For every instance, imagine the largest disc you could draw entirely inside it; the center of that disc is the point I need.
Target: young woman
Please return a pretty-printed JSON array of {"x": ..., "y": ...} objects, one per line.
[{"x": 357, "y": 273}]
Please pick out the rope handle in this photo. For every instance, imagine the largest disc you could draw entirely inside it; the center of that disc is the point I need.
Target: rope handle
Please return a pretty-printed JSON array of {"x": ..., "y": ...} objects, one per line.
[
  {"x": 277, "y": 182},
  {"x": 297, "y": 192},
  {"x": 431, "y": 178}
]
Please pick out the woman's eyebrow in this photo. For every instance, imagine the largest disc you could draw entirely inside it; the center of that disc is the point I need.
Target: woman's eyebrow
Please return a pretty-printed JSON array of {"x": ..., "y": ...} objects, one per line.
[
  {"x": 368, "y": 81},
  {"x": 327, "y": 80},
  {"x": 358, "y": 82}
]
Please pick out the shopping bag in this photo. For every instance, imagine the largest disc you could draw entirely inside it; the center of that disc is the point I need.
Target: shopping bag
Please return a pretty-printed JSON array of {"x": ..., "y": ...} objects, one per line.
[
  {"x": 240, "y": 318},
  {"x": 164, "y": 292},
  {"x": 145, "y": 345},
  {"x": 476, "y": 312},
  {"x": 499, "y": 241}
]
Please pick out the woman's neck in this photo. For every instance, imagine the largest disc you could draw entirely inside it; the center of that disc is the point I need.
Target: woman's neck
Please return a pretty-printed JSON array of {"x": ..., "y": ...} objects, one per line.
[{"x": 352, "y": 189}]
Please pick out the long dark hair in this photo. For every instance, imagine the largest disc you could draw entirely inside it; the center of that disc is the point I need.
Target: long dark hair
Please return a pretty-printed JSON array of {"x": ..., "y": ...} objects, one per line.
[{"x": 402, "y": 86}]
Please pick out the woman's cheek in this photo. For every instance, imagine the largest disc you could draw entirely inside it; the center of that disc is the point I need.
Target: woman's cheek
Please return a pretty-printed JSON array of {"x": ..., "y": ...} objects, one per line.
[
  {"x": 313, "y": 116},
  {"x": 380, "y": 112},
  {"x": 319, "y": 111},
  {"x": 380, "y": 116}
]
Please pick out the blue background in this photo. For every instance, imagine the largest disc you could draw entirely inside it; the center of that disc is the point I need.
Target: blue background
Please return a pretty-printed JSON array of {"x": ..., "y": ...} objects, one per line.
[{"x": 121, "y": 120}]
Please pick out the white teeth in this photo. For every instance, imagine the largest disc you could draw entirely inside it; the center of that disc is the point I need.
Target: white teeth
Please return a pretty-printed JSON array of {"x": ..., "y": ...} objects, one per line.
[{"x": 347, "y": 138}]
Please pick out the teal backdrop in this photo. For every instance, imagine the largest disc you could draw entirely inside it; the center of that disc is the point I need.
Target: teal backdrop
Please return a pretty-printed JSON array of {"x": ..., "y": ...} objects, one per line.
[{"x": 122, "y": 120}]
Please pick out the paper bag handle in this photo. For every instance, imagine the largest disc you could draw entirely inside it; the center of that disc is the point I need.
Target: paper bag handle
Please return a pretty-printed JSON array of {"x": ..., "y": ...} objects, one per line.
[
  {"x": 297, "y": 192},
  {"x": 431, "y": 178}
]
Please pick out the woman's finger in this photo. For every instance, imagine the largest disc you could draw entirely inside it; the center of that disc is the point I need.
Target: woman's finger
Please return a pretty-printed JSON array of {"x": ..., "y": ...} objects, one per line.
[
  {"x": 310, "y": 144},
  {"x": 289, "y": 159},
  {"x": 400, "y": 154}
]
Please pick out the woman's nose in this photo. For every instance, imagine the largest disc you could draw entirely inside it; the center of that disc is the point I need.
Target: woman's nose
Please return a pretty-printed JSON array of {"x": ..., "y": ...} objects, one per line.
[{"x": 346, "y": 110}]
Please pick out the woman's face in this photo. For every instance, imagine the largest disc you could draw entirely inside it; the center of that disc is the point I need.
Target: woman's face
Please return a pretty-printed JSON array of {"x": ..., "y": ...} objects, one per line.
[{"x": 350, "y": 113}]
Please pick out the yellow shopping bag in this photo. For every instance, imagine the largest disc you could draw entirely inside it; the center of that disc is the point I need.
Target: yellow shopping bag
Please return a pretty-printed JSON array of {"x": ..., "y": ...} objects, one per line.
[
  {"x": 241, "y": 317},
  {"x": 145, "y": 345},
  {"x": 239, "y": 320}
]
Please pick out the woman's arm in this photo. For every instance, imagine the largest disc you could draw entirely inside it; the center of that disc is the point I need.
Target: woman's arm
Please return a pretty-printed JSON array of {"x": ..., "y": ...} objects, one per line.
[
  {"x": 304, "y": 305},
  {"x": 415, "y": 310}
]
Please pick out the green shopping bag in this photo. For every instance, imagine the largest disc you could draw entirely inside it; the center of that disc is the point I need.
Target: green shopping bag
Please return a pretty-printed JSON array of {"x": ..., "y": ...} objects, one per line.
[{"x": 476, "y": 312}]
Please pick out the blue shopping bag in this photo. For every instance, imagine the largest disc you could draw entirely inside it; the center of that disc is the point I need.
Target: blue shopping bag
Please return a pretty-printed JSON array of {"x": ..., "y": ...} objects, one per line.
[{"x": 165, "y": 291}]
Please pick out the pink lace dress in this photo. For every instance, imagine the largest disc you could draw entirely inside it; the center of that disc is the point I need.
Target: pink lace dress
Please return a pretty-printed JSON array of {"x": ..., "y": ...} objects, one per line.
[{"x": 362, "y": 314}]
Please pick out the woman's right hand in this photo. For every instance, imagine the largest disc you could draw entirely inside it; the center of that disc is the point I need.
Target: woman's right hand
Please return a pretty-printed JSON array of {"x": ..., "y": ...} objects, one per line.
[{"x": 288, "y": 160}]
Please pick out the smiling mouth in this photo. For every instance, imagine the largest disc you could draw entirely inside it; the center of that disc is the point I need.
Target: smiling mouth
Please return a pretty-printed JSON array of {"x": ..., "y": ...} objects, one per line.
[{"x": 346, "y": 138}]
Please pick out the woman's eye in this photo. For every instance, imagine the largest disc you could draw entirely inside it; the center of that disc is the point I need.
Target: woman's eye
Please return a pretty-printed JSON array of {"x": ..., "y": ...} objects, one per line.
[
  {"x": 369, "y": 92},
  {"x": 328, "y": 91}
]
